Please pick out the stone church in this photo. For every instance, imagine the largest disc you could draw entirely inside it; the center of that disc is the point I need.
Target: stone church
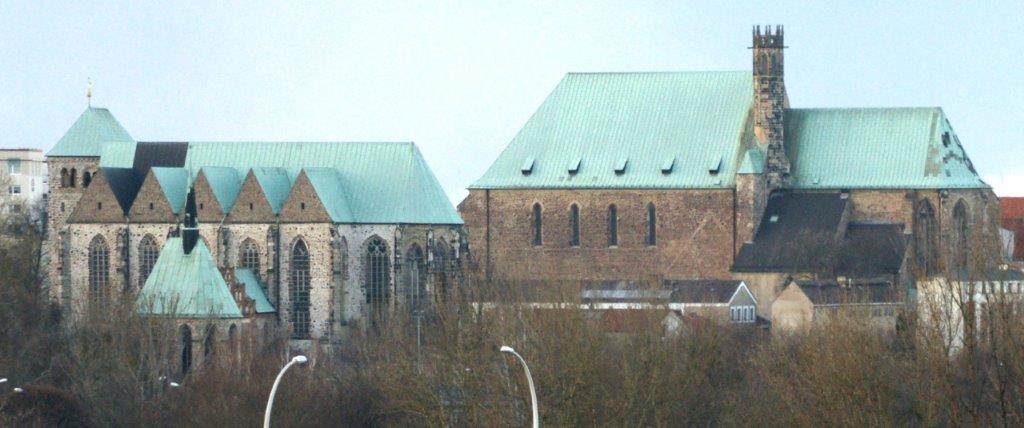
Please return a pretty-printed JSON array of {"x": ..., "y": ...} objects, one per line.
[
  {"x": 312, "y": 236},
  {"x": 658, "y": 176}
]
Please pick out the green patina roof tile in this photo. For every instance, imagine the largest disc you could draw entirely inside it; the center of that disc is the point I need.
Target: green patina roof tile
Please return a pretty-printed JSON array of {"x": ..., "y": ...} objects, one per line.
[
  {"x": 254, "y": 289},
  {"x": 846, "y": 148},
  {"x": 603, "y": 118},
  {"x": 186, "y": 285},
  {"x": 87, "y": 135},
  {"x": 225, "y": 183},
  {"x": 328, "y": 186},
  {"x": 276, "y": 185},
  {"x": 174, "y": 183}
]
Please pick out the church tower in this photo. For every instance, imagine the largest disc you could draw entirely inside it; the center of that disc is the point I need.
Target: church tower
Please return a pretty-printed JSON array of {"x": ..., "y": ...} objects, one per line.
[
  {"x": 71, "y": 165},
  {"x": 770, "y": 102}
]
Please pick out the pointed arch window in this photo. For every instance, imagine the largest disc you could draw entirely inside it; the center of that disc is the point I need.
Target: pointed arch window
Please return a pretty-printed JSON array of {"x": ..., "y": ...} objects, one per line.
[
  {"x": 415, "y": 278},
  {"x": 652, "y": 225},
  {"x": 148, "y": 253},
  {"x": 249, "y": 257},
  {"x": 99, "y": 269},
  {"x": 378, "y": 277},
  {"x": 574, "y": 225},
  {"x": 186, "y": 349},
  {"x": 442, "y": 258},
  {"x": 298, "y": 291},
  {"x": 961, "y": 234},
  {"x": 210, "y": 345},
  {"x": 613, "y": 225},
  {"x": 538, "y": 225},
  {"x": 925, "y": 244}
]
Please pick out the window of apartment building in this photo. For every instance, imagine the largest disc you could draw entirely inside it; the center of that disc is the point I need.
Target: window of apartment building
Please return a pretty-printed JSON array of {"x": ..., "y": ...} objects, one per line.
[
  {"x": 14, "y": 190},
  {"x": 14, "y": 166},
  {"x": 574, "y": 225}
]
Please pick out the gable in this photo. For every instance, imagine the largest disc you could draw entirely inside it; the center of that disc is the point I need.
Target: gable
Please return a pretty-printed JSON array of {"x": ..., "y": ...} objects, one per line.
[
  {"x": 251, "y": 205},
  {"x": 631, "y": 130},
  {"x": 98, "y": 203},
  {"x": 208, "y": 208},
  {"x": 303, "y": 204},
  {"x": 151, "y": 204}
]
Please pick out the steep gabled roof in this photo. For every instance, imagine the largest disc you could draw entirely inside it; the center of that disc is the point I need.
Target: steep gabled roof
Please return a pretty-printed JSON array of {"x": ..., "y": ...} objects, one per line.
[
  {"x": 905, "y": 148},
  {"x": 94, "y": 127},
  {"x": 668, "y": 130},
  {"x": 186, "y": 285},
  {"x": 174, "y": 184},
  {"x": 275, "y": 184},
  {"x": 327, "y": 182},
  {"x": 225, "y": 184}
]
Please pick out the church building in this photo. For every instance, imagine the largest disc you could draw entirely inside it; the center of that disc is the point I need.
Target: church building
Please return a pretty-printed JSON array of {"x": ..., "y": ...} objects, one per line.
[
  {"x": 661, "y": 176},
  {"x": 313, "y": 237}
]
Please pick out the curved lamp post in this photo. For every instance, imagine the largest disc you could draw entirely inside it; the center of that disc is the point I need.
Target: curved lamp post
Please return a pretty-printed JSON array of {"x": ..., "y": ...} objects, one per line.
[
  {"x": 529, "y": 380},
  {"x": 298, "y": 359}
]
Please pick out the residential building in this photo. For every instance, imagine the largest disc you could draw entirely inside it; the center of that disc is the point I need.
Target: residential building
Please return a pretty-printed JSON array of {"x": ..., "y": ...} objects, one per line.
[
  {"x": 24, "y": 180},
  {"x": 804, "y": 303}
]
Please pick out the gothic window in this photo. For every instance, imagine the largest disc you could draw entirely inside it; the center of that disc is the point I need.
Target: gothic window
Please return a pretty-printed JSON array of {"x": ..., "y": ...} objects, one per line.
[
  {"x": 574, "y": 225},
  {"x": 64, "y": 178},
  {"x": 415, "y": 277},
  {"x": 86, "y": 179},
  {"x": 613, "y": 226},
  {"x": 99, "y": 269},
  {"x": 652, "y": 225},
  {"x": 249, "y": 257},
  {"x": 73, "y": 178},
  {"x": 538, "y": 225},
  {"x": 186, "y": 349},
  {"x": 233, "y": 341},
  {"x": 210, "y": 345},
  {"x": 961, "y": 244},
  {"x": 378, "y": 277},
  {"x": 924, "y": 238},
  {"x": 148, "y": 253},
  {"x": 298, "y": 291},
  {"x": 442, "y": 257}
]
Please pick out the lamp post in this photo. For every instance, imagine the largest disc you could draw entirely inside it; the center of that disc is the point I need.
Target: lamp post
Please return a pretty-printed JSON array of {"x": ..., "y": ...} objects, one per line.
[
  {"x": 298, "y": 359},
  {"x": 529, "y": 380}
]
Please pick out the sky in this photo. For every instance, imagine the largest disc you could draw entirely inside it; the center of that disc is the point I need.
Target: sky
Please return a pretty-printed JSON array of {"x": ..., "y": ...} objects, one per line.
[{"x": 460, "y": 78}]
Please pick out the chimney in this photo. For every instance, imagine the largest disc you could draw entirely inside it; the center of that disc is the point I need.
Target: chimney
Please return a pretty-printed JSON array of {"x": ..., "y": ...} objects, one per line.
[
  {"x": 190, "y": 232},
  {"x": 770, "y": 102}
]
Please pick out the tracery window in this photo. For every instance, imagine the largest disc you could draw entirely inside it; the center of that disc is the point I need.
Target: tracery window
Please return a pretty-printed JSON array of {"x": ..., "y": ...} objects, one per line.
[
  {"x": 249, "y": 257},
  {"x": 298, "y": 291},
  {"x": 378, "y": 277},
  {"x": 925, "y": 244},
  {"x": 99, "y": 269},
  {"x": 961, "y": 242},
  {"x": 148, "y": 253},
  {"x": 415, "y": 278},
  {"x": 442, "y": 259}
]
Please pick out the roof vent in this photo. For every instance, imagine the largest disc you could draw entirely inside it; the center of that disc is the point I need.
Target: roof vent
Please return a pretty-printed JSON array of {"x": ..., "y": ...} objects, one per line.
[
  {"x": 620, "y": 166},
  {"x": 527, "y": 167},
  {"x": 574, "y": 166},
  {"x": 715, "y": 165},
  {"x": 670, "y": 163}
]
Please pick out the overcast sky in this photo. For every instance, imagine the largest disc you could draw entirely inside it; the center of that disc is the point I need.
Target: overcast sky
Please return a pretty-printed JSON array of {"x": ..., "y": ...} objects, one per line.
[{"x": 460, "y": 78}]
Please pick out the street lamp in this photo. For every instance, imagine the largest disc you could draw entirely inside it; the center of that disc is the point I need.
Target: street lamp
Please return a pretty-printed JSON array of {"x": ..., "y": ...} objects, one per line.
[
  {"x": 298, "y": 359},
  {"x": 529, "y": 380}
]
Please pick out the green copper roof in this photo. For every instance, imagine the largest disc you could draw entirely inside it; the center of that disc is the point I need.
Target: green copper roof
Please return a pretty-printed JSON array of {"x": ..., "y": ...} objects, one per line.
[
  {"x": 86, "y": 137},
  {"x": 174, "y": 183},
  {"x": 186, "y": 285},
  {"x": 379, "y": 182},
  {"x": 876, "y": 148},
  {"x": 254, "y": 290},
  {"x": 753, "y": 162},
  {"x": 326, "y": 181},
  {"x": 117, "y": 154},
  {"x": 225, "y": 183},
  {"x": 635, "y": 122}
]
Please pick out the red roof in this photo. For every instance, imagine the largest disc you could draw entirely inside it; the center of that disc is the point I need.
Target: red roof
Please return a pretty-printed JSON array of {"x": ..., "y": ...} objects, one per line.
[
  {"x": 1011, "y": 208},
  {"x": 1012, "y": 218}
]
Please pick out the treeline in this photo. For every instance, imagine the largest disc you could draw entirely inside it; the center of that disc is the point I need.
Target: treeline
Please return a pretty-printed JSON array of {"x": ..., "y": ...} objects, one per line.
[{"x": 109, "y": 371}]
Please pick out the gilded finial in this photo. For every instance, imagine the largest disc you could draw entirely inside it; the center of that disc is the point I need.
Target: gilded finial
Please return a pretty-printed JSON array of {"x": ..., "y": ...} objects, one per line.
[{"x": 88, "y": 92}]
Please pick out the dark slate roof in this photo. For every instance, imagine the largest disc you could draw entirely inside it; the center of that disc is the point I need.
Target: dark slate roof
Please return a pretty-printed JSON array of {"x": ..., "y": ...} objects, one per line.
[
  {"x": 831, "y": 293},
  {"x": 162, "y": 154},
  {"x": 870, "y": 250},
  {"x": 125, "y": 185},
  {"x": 797, "y": 234},
  {"x": 702, "y": 291}
]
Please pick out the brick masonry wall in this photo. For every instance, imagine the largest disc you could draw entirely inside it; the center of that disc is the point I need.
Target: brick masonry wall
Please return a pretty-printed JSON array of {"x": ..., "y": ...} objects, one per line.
[
  {"x": 61, "y": 201},
  {"x": 694, "y": 231},
  {"x": 150, "y": 205}
]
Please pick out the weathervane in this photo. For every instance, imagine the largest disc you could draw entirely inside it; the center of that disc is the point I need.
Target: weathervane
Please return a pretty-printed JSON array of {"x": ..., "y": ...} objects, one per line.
[{"x": 88, "y": 92}]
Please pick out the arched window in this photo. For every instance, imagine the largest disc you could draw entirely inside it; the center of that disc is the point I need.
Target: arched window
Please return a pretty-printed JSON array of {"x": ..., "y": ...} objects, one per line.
[
  {"x": 99, "y": 269},
  {"x": 415, "y": 277},
  {"x": 249, "y": 257},
  {"x": 210, "y": 345},
  {"x": 378, "y": 277},
  {"x": 652, "y": 225},
  {"x": 574, "y": 225},
  {"x": 442, "y": 258},
  {"x": 86, "y": 178},
  {"x": 613, "y": 226},
  {"x": 148, "y": 253},
  {"x": 73, "y": 179},
  {"x": 538, "y": 225},
  {"x": 925, "y": 248},
  {"x": 186, "y": 349},
  {"x": 233, "y": 341},
  {"x": 340, "y": 258},
  {"x": 64, "y": 182},
  {"x": 298, "y": 291},
  {"x": 961, "y": 243}
]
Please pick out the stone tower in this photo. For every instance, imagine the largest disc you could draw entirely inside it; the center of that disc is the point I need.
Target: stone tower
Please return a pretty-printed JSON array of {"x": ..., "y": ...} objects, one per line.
[
  {"x": 770, "y": 102},
  {"x": 71, "y": 165}
]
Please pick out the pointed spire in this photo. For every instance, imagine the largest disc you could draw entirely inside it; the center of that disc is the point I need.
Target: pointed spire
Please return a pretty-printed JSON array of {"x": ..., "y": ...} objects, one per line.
[{"x": 88, "y": 92}]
